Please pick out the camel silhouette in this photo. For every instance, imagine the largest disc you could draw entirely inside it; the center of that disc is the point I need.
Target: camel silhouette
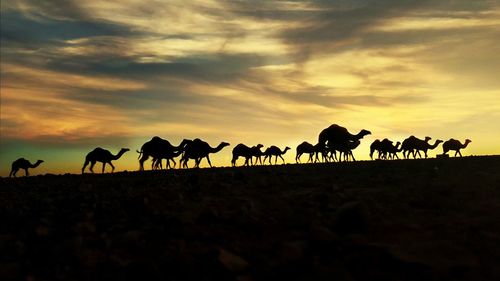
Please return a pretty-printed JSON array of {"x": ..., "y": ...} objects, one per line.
[
  {"x": 24, "y": 164},
  {"x": 345, "y": 149},
  {"x": 388, "y": 150},
  {"x": 169, "y": 156},
  {"x": 375, "y": 146},
  {"x": 103, "y": 156},
  {"x": 455, "y": 145},
  {"x": 339, "y": 135},
  {"x": 305, "y": 147},
  {"x": 275, "y": 151},
  {"x": 197, "y": 150},
  {"x": 158, "y": 148},
  {"x": 425, "y": 146},
  {"x": 247, "y": 152},
  {"x": 257, "y": 153},
  {"x": 410, "y": 145}
]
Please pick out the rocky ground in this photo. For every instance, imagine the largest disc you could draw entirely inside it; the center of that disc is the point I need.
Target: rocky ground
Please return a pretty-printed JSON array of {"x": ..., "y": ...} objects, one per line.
[{"x": 436, "y": 219}]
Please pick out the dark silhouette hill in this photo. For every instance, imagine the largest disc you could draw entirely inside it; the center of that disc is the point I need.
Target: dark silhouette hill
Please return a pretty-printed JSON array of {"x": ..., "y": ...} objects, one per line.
[{"x": 424, "y": 219}]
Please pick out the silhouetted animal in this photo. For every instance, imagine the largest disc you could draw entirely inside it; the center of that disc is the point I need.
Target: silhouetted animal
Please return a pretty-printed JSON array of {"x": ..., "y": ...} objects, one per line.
[
  {"x": 247, "y": 152},
  {"x": 257, "y": 153},
  {"x": 302, "y": 148},
  {"x": 103, "y": 156},
  {"x": 453, "y": 144},
  {"x": 425, "y": 146},
  {"x": 345, "y": 149},
  {"x": 388, "y": 150},
  {"x": 24, "y": 164},
  {"x": 156, "y": 148},
  {"x": 409, "y": 145},
  {"x": 339, "y": 135},
  {"x": 375, "y": 146},
  {"x": 169, "y": 156},
  {"x": 275, "y": 151},
  {"x": 197, "y": 150}
]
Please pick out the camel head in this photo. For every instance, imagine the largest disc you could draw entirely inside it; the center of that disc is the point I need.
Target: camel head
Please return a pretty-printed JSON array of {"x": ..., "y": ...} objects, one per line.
[
  {"x": 427, "y": 139},
  {"x": 224, "y": 144},
  {"x": 468, "y": 141},
  {"x": 259, "y": 146},
  {"x": 286, "y": 148},
  {"x": 38, "y": 162},
  {"x": 123, "y": 150},
  {"x": 364, "y": 133}
]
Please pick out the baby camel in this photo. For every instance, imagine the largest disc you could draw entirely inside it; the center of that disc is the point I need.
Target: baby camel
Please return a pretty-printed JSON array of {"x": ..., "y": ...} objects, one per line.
[
  {"x": 103, "y": 156},
  {"x": 24, "y": 164},
  {"x": 275, "y": 151}
]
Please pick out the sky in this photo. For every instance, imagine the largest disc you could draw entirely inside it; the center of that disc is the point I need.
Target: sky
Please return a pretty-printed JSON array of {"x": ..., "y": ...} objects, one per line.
[{"x": 76, "y": 75}]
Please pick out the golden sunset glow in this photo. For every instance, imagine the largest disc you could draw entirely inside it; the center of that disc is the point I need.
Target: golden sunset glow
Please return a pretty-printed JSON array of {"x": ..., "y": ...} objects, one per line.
[{"x": 116, "y": 73}]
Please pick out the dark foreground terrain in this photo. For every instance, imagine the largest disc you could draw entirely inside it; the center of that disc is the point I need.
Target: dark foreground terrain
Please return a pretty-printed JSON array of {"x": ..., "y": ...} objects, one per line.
[{"x": 436, "y": 219}]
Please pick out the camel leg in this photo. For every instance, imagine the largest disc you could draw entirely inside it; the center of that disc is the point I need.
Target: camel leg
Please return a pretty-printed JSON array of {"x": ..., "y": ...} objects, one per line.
[
  {"x": 282, "y": 159},
  {"x": 297, "y": 158},
  {"x": 26, "y": 173},
  {"x": 103, "y": 166},
  {"x": 85, "y": 165},
  {"x": 92, "y": 163},
  {"x": 13, "y": 173},
  {"x": 141, "y": 161},
  {"x": 352, "y": 155},
  {"x": 112, "y": 167},
  {"x": 459, "y": 153},
  {"x": 175, "y": 164},
  {"x": 208, "y": 159}
]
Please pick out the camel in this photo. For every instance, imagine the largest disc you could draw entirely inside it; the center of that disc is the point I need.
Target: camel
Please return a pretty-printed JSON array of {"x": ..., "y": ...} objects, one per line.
[
  {"x": 425, "y": 146},
  {"x": 197, "y": 150},
  {"x": 257, "y": 153},
  {"x": 375, "y": 146},
  {"x": 453, "y": 144},
  {"x": 157, "y": 147},
  {"x": 275, "y": 151},
  {"x": 409, "y": 145},
  {"x": 103, "y": 156},
  {"x": 305, "y": 147},
  {"x": 388, "y": 150},
  {"x": 169, "y": 156},
  {"x": 345, "y": 149},
  {"x": 247, "y": 152},
  {"x": 336, "y": 134},
  {"x": 24, "y": 164}
]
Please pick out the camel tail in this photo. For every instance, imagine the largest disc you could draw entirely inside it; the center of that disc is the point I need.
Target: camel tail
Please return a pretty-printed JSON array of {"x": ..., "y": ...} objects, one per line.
[{"x": 140, "y": 153}]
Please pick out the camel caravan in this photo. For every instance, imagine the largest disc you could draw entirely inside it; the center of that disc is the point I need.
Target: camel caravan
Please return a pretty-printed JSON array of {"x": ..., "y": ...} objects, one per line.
[{"x": 335, "y": 143}]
